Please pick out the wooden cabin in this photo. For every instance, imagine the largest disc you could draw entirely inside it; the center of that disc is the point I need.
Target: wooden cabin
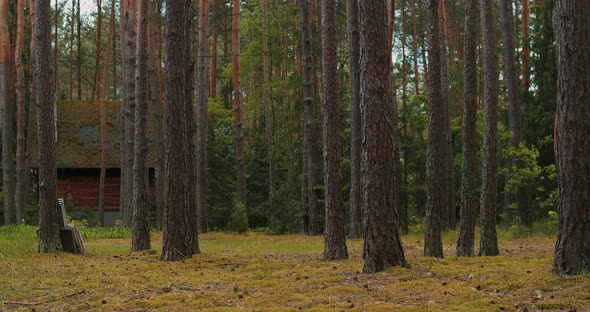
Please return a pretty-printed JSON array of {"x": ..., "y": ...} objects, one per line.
[{"x": 78, "y": 153}]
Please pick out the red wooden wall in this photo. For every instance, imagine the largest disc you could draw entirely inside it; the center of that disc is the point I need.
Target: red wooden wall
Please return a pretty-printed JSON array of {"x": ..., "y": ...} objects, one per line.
[{"x": 83, "y": 190}]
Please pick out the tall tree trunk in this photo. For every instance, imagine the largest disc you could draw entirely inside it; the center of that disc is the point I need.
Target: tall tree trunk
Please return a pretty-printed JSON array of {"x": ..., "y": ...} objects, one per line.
[
  {"x": 572, "y": 30},
  {"x": 225, "y": 31},
  {"x": 8, "y": 177},
  {"x": 20, "y": 121},
  {"x": 71, "y": 54},
  {"x": 356, "y": 217},
  {"x": 289, "y": 120},
  {"x": 113, "y": 40},
  {"x": 399, "y": 187},
  {"x": 267, "y": 110},
  {"x": 96, "y": 83},
  {"x": 239, "y": 133},
  {"x": 382, "y": 247},
  {"x": 403, "y": 65},
  {"x": 415, "y": 42},
  {"x": 526, "y": 53},
  {"x": 466, "y": 242},
  {"x": 213, "y": 69},
  {"x": 155, "y": 81},
  {"x": 448, "y": 213},
  {"x": 180, "y": 231},
  {"x": 103, "y": 126},
  {"x": 514, "y": 114},
  {"x": 49, "y": 240},
  {"x": 425, "y": 62},
  {"x": 124, "y": 172},
  {"x": 55, "y": 54},
  {"x": 202, "y": 104},
  {"x": 489, "y": 237},
  {"x": 141, "y": 227},
  {"x": 79, "y": 49},
  {"x": 335, "y": 241},
  {"x": 128, "y": 50},
  {"x": 31, "y": 118},
  {"x": 436, "y": 165},
  {"x": 309, "y": 129}
]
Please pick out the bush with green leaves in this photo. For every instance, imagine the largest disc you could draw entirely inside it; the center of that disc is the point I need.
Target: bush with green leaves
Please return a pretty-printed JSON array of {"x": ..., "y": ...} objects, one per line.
[{"x": 538, "y": 180}]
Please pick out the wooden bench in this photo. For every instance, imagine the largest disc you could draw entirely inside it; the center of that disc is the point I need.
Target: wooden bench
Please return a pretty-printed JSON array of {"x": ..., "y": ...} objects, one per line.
[{"x": 70, "y": 236}]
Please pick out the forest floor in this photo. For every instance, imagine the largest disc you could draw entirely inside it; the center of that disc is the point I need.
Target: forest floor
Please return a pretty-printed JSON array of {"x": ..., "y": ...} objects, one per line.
[{"x": 258, "y": 272}]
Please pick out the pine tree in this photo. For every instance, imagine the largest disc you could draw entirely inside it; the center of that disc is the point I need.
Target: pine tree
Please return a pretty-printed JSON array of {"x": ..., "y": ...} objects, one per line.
[
  {"x": 335, "y": 241},
  {"x": 572, "y": 29},
  {"x": 382, "y": 246},
  {"x": 49, "y": 240}
]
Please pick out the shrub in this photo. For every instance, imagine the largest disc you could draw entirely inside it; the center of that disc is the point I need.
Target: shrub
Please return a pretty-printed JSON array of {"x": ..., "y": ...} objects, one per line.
[{"x": 238, "y": 221}]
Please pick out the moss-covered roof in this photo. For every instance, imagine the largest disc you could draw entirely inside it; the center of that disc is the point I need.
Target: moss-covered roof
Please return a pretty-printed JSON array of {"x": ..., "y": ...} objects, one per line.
[{"x": 78, "y": 135}]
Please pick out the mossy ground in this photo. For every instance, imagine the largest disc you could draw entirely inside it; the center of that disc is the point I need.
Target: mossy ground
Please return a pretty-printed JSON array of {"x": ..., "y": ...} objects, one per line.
[{"x": 257, "y": 272}]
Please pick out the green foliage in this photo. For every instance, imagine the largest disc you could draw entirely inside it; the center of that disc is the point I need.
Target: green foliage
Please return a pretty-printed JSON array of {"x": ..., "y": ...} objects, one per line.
[
  {"x": 413, "y": 125},
  {"x": 221, "y": 164},
  {"x": 517, "y": 229},
  {"x": 539, "y": 105},
  {"x": 115, "y": 232},
  {"x": 532, "y": 176},
  {"x": 548, "y": 225},
  {"x": 16, "y": 232},
  {"x": 2, "y": 207},
  {"x": 238, "y": 221},
  {"x": 286, "y": 218}
]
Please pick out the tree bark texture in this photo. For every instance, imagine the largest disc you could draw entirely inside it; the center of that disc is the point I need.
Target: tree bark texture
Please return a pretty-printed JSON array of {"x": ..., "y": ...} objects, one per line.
[
  {"x": 436, "y": 183},
  {"x": 180, "y": 230},
  {"x": 71, "y": 51},
  {"x": 56, "y": 24},
  {"x": 32, "y": 114},
  {"x": 123, "y": 117},
  {"x": 448, "y": 214},
  {"x": 572, "y": 29},
  {"x": 156, "y": 95},
  {"x": 103, "y": 130},
  {"x": 96, "y": 83},
  {"x": 213, "y": 67},
  {"x": 309, "y": 127},
  {"x": 415, "y": 46},
  {"x": 489, "y": 237},
  {"x": 79, "y": 50},
  {"x": 129, "y": 37},
  {"x": 237, "y": 92},
  {"x": 49, "y": 240},
  {"x": 141, "y": 228},
  {"x": 403, "y": 43},
  {"x": 335, "y": 237},
  {"x": 21, "y": 155},
  {"x": 8, "y": 178},
  {"x": 356, "y": 219},
  {"x": 202, "y": 105},
  {"x": 466, "y": 241},
  {"x": 382, "y": 246}
]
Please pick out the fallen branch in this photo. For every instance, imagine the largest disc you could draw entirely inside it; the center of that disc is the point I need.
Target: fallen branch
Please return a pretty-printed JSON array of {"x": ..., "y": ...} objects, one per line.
[{"x": 44, "y": 301}]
